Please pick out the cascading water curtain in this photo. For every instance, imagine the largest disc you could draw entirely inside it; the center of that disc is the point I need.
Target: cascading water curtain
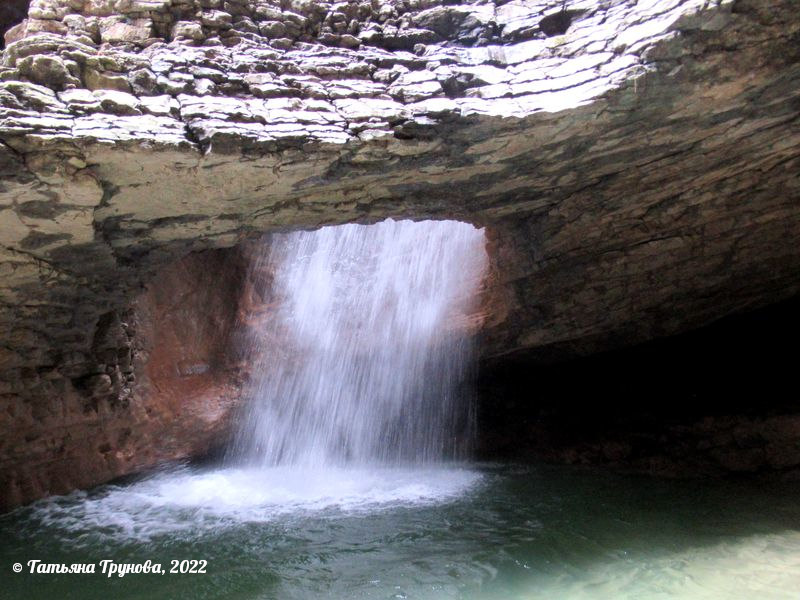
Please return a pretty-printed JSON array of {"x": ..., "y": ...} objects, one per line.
[{"x": 361, "y": 353}]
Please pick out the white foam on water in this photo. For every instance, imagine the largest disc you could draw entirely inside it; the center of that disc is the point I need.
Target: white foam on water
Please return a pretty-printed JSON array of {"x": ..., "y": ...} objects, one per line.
[{"x": 191, "y": 501}]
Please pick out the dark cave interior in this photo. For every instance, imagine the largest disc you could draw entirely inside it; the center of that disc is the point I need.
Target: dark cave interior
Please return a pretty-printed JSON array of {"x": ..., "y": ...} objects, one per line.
[
  {"x": 668, "y": 397},
  {"x": 12, "y": 12}
]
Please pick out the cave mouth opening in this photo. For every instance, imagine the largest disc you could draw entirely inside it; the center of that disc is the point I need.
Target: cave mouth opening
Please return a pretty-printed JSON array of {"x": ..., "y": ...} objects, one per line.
[
  {"x": 348, "y": 344},
  {"x": 349, "y": 351},
  {"x": 547, "y": 404},
  {"x": 368, "y": 522}
]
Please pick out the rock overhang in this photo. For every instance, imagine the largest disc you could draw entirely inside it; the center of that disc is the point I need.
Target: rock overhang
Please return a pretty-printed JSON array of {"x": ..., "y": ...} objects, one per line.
[{"x": 124, "y": 137}]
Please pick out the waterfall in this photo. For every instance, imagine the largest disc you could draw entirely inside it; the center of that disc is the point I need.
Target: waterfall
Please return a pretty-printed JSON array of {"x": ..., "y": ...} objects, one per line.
[{"x": 362, "y": 345}]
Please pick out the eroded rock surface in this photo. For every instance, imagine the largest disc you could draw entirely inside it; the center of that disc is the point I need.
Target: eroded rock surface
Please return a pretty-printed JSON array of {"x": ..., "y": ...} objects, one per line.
[
  {"x": 635, "y": 164},
  {"x": 91, "y": 428}
]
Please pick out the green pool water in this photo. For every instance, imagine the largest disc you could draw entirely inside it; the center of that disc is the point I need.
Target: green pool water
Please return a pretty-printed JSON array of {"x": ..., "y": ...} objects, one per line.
[{"x": 476, "y": 531}]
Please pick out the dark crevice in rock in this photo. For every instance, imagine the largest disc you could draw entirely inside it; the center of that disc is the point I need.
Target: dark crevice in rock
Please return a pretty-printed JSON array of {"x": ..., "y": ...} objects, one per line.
[
  {"x": 12, "y": 13},
  {"x": 35, "y": 240},
  {"x": 558, "y": 23}
]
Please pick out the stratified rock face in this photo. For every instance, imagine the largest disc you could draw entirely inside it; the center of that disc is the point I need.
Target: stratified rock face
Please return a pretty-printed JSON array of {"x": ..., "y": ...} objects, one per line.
[{"x": 635, "y": 164}]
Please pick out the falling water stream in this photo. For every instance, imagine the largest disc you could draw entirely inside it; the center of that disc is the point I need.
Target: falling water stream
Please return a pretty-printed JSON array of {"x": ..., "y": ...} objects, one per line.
[
  {"x": 363, "y": 359},
  {"x": 347, "y": 478}
]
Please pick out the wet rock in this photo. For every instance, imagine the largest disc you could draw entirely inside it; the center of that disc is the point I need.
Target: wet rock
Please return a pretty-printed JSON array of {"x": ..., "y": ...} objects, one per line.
[
  {"x": 282, "y": 43},
  {"x": 98, "y": 385},
  {"x": 272, "y": 29},
  {"x": 216, "y": 19}
]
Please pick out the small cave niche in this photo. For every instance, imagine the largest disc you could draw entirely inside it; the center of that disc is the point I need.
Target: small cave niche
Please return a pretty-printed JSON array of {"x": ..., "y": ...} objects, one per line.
[
  {"x": 558, "y": 23},
  {"x": 12, "y": 13},
  {"x": 185, "y": 321}
]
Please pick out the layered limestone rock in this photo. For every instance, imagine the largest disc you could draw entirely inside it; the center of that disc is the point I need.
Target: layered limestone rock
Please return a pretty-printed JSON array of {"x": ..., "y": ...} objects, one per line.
[{"x": 635, "y": 165}]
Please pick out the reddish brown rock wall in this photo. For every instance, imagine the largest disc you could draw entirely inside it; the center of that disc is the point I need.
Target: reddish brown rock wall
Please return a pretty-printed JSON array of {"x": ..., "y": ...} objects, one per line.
[{"x": 177, "y": 340}]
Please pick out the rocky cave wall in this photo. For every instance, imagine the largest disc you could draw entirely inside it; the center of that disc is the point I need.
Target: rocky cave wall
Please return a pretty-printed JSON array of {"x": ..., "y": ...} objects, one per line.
[
  {"x": 172, "y": 346},
  {"x": 635, "y": 165}
]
